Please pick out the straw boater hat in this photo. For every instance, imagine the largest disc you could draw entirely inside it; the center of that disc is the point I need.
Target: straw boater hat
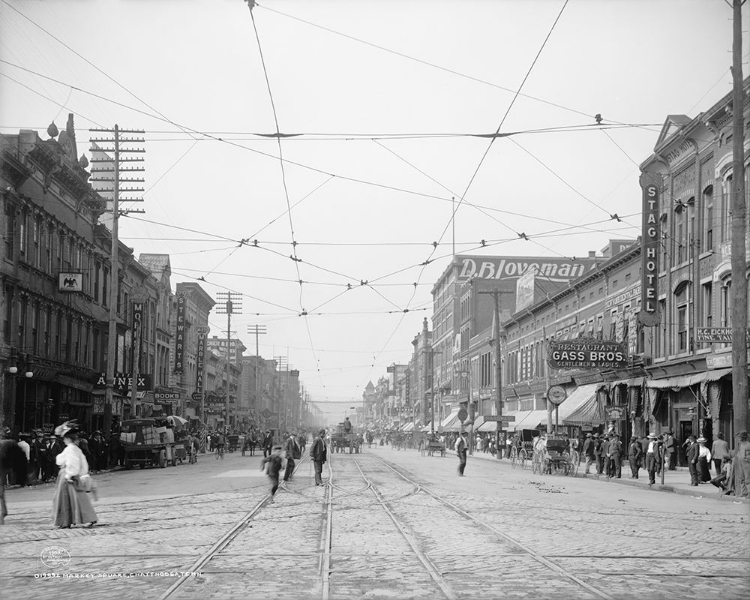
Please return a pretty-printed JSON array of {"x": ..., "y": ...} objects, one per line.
[
  {"x": 701, "y": 440},
  {"x": 651, "y": 436}
]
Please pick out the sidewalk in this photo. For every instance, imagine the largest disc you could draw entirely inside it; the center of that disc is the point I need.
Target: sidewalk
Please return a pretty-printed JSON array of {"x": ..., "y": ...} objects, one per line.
[{"x": 677, "y": 481}]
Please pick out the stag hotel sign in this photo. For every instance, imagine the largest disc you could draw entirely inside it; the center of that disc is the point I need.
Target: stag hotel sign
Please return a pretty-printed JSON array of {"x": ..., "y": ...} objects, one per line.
[{"x": 650, "y": 240}]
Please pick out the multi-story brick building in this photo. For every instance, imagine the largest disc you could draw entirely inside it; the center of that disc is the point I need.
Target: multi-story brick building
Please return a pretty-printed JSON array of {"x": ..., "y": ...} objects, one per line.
[{"x": 55, "y": 272}]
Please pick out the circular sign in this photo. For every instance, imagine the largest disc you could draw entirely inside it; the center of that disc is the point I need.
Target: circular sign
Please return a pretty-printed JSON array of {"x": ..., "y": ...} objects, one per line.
[
  {"x": 138, "y": 294},
  {"x": 556, "y": 394},
  {"x": 266, "y": 414},
  {"x": 54, "y": 557},
  {"x": 462, "y": 414},
  {"x": 197, "y": 396}
]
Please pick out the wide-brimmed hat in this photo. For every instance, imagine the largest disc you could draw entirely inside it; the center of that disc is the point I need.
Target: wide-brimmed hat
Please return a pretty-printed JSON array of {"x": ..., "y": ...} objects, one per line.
[
  {"x": 589, "y": 435},
  {"x": 701, "y": 439},
  {"x": 651, "y": 436}
]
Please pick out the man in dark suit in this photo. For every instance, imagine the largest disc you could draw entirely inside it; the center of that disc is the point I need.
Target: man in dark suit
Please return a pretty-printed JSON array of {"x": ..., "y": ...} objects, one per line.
[
  {"x": 319, "y": 455},
  {"x": 292, "y": 453},
  {"x": 653, "y": 457}
]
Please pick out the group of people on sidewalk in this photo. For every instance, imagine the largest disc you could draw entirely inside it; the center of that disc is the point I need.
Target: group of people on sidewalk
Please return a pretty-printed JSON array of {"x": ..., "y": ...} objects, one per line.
[{"x": 654, "y": 453}]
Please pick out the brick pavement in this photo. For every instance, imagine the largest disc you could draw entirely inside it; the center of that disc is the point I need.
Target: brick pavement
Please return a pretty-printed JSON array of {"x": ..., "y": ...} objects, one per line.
[{"x": 624, "y": 540}]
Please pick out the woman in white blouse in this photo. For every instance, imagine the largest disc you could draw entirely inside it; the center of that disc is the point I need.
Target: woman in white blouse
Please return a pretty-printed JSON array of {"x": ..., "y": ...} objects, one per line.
[
  {"x": 704, "y": 459},
  {"x": 71, "y": 505}
]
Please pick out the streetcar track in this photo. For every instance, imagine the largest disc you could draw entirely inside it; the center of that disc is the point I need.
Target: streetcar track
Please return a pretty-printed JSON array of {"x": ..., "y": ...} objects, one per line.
[
  {"x": 431, "y": 568},
  {"x": 530, "y": 552}
]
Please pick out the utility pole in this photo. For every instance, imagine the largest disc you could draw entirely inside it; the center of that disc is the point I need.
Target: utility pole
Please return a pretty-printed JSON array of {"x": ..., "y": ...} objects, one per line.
[
  {"x": 232, "y": 304},
  {"x": 739, "y": 232},
  {"x": 113, "y": 188},
  {"x": 498, "y": 371},
  {"x": 257, "y": 330}
]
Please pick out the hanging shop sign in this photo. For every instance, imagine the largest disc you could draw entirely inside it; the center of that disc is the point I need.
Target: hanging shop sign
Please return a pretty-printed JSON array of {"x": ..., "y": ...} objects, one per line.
[
  {"x": 615, "y": 413},
  {"x": 587, "y": 353},
  {"x": 69, "y": 282}
]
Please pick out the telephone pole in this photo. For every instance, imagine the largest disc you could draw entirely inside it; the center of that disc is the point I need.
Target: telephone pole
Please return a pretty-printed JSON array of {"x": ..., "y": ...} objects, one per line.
[
  {"x": 498, "y": 370},
  {"x": 739, "y": 233},
  {"x": 257, "y": 331},
  {"x": 111, "y": 166},
  {"x": 229, "y": 303}
]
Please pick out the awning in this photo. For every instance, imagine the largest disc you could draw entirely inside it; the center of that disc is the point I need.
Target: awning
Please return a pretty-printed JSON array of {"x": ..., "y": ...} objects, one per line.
[
  {"x": 488, "y": 426},
  {"x": 574, "y": 401},
  {"x": 634, "y": 382},
  {"x": 408, "y": 427},
  {"x": 684, "y": 381},
  {"x": 84, "y": 386},
  {"x": 451, "y": 422},
  {"x": 427, "y": 427},
  {"x": 529, "y": 419},
  {"x": 478, "y": 422},
  {"x": 590, "y": 412}
]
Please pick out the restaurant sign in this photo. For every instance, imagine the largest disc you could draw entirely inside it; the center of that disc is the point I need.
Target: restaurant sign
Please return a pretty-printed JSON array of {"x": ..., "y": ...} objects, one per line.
[{"x": 587, "y": 353}]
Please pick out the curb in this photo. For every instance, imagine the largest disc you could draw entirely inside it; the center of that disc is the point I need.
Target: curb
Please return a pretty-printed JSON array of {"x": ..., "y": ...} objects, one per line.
[{"x": 657, "y": 487}]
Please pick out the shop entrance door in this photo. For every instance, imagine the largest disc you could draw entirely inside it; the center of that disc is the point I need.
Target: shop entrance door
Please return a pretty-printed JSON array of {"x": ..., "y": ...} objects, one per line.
[{"x": 686, "y": 430}]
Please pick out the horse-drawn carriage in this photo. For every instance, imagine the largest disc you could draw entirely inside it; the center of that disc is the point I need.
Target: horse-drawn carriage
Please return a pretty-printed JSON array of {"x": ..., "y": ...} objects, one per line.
[
  {"x": 341, "y": 440},
  {"x": 522, "y": 448},
  {"x": 434, "y": 446},
  {"x": 553, "y": 454}
]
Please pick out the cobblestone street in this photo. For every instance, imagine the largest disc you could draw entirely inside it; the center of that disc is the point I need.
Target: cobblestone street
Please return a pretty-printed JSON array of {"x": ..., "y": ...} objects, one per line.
[{"x": 389, "y": 524}]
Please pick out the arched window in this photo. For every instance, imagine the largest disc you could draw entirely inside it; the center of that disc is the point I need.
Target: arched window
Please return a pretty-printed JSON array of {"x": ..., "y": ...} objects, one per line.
[
  {"x": 708, "y": 219},
  {"x": 682, "y": 312}
]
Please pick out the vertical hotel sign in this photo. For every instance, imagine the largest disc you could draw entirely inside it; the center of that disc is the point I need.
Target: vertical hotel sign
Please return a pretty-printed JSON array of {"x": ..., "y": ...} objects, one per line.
[
  {"x": 200, "y": 356},
  {"x": 651, "y": 243},
  {"x": 179, "y": 346}
]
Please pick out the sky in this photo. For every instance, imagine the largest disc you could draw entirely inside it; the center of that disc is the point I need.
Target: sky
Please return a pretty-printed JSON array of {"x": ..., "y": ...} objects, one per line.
[{"x": 388, "y": 160}]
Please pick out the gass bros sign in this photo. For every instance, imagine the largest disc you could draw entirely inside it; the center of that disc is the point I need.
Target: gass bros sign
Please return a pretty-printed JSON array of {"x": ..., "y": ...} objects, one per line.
[
  {"x": 560, "y": 270},
  {"x": 586, "y": 353}
]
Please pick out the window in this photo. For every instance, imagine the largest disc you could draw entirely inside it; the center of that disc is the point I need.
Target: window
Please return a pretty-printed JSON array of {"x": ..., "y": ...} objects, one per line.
[
  {"x": 726, "y": 304},
  {"x": 36, "y": 240},
  {"x": 10, "y": 231},
  {"x": 708, "y": 301},
  {"x": 22, "y": 316},
  {"x": 97, "y": 282},
  {"x": 47, "y": 330},
  {"x": 682, "y": 302},
  {"x": 613, "y": 325},
  {"x": 23, "y": 233},
  {"x": 708, "y": 219},
  {"x": 49, "y": 250},
  {"x": 105, "y": 281},
  {"x": 726, "y": 212},
  {"x": 679, "y": 251},
  {"x": 35, "y": 328},
  {"x": 60, "y": 248}
]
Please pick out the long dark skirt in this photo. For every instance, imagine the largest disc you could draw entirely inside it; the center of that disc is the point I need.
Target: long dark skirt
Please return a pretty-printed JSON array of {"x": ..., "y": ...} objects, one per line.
[
  {"x": 71, "y": 507},
  {"x": 703, "y": 474}
]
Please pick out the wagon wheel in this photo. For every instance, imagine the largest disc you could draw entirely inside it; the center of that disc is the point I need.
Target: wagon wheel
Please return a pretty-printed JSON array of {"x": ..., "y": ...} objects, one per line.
[{"x": 523, "y": 458}]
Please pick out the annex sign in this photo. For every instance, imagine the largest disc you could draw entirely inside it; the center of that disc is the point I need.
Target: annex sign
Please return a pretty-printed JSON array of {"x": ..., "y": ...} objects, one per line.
[{"x": 587, "y": 354}]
